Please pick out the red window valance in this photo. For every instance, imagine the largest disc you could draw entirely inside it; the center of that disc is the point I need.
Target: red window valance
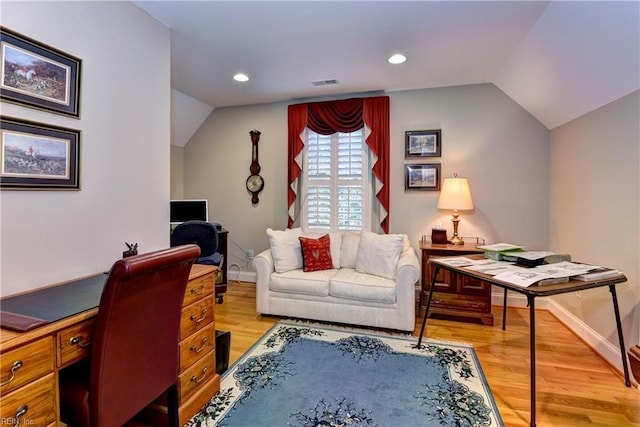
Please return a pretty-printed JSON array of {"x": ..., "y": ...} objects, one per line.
[{"x": 347, "y": 115}]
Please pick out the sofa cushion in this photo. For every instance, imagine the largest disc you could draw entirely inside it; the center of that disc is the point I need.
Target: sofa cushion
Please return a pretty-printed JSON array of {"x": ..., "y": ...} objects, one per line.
[
  {"x": 378, "y": 253},
  {"x": 336, "y": 243},
  {"x": 349, "y": 249},
  {"x": 316, "y": 253},
  {"x": 351, "y": 284},
  {"x": 299, "y": 282},
  {"x": 285, "y": 249}
]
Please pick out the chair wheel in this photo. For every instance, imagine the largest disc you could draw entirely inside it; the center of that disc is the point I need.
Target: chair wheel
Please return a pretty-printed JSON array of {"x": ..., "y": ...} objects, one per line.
[{"x": 220, "y": 299}]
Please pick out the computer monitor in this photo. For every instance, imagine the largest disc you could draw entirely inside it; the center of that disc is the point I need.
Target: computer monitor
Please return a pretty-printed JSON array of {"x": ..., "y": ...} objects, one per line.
[{"x": 188, "y": 210}]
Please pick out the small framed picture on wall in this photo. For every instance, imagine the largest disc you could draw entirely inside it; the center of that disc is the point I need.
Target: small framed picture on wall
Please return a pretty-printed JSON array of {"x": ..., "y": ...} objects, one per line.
[
  {"x": 423, "y": 143},
  {"x": 425, "y": 177},
  {"x": 38, "y": 156}
]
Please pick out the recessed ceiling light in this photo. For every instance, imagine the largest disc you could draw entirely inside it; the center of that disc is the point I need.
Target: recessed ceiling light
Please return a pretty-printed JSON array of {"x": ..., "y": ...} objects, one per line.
[
  {"x": 396, "y": 59},
  {"x": 241, "y": 77}
]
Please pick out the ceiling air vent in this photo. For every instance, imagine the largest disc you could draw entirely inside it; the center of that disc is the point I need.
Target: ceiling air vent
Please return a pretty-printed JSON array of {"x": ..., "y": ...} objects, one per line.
[{"x": 325, "y": 82}]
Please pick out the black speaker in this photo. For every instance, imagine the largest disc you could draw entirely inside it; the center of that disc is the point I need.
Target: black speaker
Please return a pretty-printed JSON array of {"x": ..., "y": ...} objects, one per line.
[{"x": 223, "y": 346}]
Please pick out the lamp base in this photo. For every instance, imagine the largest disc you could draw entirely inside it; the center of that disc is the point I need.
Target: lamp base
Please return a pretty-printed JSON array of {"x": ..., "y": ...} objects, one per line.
[{"x": 455, "y": 240}]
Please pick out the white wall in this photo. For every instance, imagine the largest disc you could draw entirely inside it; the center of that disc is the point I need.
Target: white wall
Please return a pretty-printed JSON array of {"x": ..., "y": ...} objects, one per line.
[
  {"x": 595, "y": 210},
  {"x": 486, "y": 137},
  {"x": 177, "y": 172},
  {"x": 49, "y": 236}
]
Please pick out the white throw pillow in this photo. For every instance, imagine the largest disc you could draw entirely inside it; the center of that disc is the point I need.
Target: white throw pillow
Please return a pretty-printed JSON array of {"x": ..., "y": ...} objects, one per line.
[
  {"x": 378, "y": 254},
  {"x": 285, "y": 249},
  {"x": 349, "y": 249}
]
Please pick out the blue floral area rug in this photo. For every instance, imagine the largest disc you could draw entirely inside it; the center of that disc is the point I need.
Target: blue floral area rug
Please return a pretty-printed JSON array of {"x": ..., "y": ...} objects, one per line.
[{"x": 311, "y": 375}]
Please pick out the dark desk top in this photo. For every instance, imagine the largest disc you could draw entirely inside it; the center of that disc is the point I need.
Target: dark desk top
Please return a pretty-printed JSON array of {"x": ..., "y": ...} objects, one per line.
[
  {"x": 533, "y": 290},
  {"x": 53, "y": 303}
]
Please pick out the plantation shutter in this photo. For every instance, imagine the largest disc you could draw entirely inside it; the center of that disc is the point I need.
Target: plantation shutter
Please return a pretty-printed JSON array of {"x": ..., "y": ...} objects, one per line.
[{"x": 335, "y": 181}]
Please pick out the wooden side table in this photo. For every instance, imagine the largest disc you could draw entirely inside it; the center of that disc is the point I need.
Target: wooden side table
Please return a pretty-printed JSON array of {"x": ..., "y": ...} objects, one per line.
[{"x": 455, "y": 295}]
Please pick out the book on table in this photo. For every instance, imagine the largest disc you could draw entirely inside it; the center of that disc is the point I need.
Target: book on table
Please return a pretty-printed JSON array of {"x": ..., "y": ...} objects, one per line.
[
  {"x": 597, "y": 274},
  {"x": 498, "y": 251}
]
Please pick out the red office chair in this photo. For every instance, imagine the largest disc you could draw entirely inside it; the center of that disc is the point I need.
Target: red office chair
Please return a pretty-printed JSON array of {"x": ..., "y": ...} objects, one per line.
[{"x": 135, "y": 345}]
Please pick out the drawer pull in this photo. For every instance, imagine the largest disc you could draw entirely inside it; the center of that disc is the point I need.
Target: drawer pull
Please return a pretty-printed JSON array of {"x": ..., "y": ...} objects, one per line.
[
  {"x": 20, "y": 412},
  {"x": 199, "y": 380},
  {"x": 196, "y": 291},
  {"x": 438, "y": 301},
  {"x": 16, "y": 365},
  {"x": 198, "y": 350},
  {"x": 475, "y": 305},
  {"x": 76, "y": 341},
  {"x": 193, "y": 316}
]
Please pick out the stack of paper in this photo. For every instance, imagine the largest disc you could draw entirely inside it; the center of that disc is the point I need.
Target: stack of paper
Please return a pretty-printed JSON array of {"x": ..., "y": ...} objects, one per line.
[
  {"x": 491, "y": 267},
  {"x": 459, "y": 261}
]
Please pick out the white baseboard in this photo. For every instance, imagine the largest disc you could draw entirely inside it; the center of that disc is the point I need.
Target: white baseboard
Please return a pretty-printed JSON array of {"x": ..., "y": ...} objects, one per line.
[
  {"x": 610, "y": 352},
  {"x": 606, "y": 350},
  {"x": 242, "y": 276}
]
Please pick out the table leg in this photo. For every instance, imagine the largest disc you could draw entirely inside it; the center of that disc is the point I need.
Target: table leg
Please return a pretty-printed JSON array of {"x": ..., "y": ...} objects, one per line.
[
  {"x": 627, "y": 380},
  {"x": 532, "y": 351},
  {"x": 504, "y": 311},
  {"x": 426, "y": 309}
]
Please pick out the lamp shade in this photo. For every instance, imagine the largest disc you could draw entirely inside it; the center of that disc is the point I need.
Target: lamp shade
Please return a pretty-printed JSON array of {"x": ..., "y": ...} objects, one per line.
[{"x": 455, "y": 195}]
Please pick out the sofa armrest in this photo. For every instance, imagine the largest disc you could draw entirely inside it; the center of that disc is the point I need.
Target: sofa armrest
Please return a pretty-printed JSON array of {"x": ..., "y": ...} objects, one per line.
[
  {"x": 263, "y": 263},
  {"x": 408, "y": 268}
]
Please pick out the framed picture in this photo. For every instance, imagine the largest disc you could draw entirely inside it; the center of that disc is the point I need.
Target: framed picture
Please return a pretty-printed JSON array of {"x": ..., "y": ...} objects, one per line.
[
  {"x": 38, "y": 76},
  {"x": 422, "y": 143},
  {"x": 36, "y": 156},
  {"x": 422, "y": 177}
]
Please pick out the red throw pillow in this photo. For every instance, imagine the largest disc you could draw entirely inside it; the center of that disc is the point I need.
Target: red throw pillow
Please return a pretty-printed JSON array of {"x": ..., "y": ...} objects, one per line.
[{"x": 316, "y": 253}]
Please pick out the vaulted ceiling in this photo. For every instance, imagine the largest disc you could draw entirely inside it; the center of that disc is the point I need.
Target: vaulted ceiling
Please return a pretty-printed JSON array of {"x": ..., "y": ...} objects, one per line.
[{"x": 557, "y": 59}]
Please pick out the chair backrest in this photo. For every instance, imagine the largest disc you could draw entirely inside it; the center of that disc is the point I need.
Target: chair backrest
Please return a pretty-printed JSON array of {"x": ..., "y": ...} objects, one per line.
[
  {"x": 135, "y": 348},
  {"x": 202, "y": 233}
]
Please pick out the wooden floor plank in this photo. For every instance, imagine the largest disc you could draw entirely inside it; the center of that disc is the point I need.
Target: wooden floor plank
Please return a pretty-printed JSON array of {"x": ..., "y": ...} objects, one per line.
[{"x": 575, "y": 386}]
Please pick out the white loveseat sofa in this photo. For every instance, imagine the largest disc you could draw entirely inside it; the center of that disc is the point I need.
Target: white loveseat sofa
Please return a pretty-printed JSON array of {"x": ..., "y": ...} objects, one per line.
[{"x": 371, "y": 282}]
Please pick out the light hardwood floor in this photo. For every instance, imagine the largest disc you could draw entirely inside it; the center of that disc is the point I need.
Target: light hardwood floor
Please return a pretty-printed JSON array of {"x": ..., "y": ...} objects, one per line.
[{"x": 575, "y": 386}]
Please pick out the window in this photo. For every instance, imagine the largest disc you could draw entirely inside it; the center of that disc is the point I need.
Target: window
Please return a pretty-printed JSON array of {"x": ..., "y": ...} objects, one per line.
[{"x": 335, "y": 182}]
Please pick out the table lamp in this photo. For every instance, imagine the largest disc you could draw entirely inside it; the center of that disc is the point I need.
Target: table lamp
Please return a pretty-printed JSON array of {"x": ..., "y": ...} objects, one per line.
[{"x": 455, "y": 195}]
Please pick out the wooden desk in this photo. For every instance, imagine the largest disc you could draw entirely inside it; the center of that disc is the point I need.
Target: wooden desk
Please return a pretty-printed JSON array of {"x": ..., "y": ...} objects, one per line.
[
  {"x": 531, "y": 293},
  {"x": 30, "y": 361}
]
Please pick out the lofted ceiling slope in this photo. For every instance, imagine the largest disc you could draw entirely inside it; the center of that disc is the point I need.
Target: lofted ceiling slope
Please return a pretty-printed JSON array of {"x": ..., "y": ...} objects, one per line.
[{"x": 558, "y": 59}]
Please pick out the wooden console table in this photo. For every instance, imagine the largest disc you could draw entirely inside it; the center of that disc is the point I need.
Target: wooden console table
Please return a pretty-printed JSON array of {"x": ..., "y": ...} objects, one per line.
[
  {"x": 532, "y": 292},
  {"x": 30, "y": 361},
  {"x": 455, "y": 295}
]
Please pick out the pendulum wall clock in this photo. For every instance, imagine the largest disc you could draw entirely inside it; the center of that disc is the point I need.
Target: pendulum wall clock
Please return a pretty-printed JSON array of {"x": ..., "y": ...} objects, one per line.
[{"x": 255, "y": 183}]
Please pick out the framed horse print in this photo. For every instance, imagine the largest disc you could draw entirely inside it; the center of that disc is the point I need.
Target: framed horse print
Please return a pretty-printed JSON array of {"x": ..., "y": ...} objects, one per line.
[
  {"x": 35, "y": 156},
  {"x": 38, "y": 76}
]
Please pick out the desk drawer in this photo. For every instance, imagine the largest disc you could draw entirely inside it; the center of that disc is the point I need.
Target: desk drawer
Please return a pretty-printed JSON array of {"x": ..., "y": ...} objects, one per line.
[
  {"x": 457, "y": 301},
  {"x": 74, "y": 343},
  {"x": 27, "y": 362},
  {"x": 195, "y": 317},
  {"x": 196, "y": 346},
  {"x": 192, "y": 405},
  {"x": 194, "y": 378},
  {"x": 198, "y": 289},
  {"x": 33, "y": 404}
]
